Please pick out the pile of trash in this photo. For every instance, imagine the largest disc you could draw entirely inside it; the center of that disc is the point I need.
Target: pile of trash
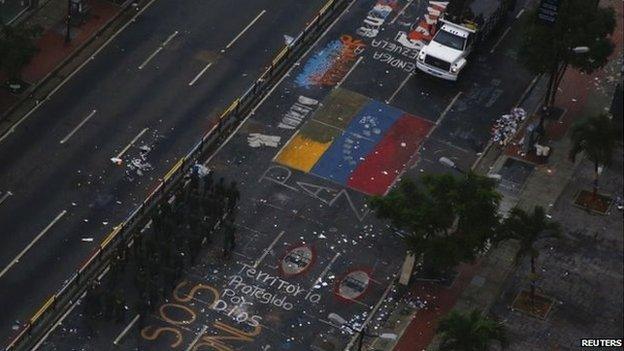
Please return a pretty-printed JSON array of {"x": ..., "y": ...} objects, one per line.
[
  {"x": 506, "y": 127},
  {"x": 139, "y": 165}
]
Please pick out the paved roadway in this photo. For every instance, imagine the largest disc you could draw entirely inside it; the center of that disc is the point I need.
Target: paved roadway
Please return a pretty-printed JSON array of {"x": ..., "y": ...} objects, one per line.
[
  {"x": 147, "y": 85},
  {"x": 317, "y": 213}
]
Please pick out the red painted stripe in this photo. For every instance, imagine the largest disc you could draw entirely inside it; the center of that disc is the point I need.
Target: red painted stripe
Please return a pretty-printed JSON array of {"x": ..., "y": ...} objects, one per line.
[{"x": 378, "y": 171}]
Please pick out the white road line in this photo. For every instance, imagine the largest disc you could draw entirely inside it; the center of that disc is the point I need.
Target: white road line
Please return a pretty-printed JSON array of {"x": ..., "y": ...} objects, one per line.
[
  {"x": 520, "y": 13},
  {"x": 123, "y": 333},
  {"x": 150, "y": 57},
  {"x": 447, "y": 109},
  {"x": 245, "y": 29},
  {"x": 320, "y": 277},
  {"x": 370, "y": 315},
  {"x": 200, "y": 74},
  {"x": 399, "y": 88},
  {"x": 33, "y": 242},
  {"x": 349, "y": 72},
  {"x": 5, "y": 196},
  {"x": 78, "y": 127},
  {"x": 401, "y": 12},
  {"x": 169, "y": 38},
  {"x": 266, "y": 251},
  {"x": 500, "y": 39},
  {"x": 192, "y": 344},
  {"x": 59, "y": 322},
  {"x": 159, "y": 49},
  {"x": 131, "y": 143},
  {"x": 32, "y": 110},
  {"x": 275, "y": 86}
]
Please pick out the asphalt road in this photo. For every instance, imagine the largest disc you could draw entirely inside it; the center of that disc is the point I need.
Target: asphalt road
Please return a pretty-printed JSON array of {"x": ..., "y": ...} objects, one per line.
[
  {"x": 152, "y": 85},
  {"x": 296, "y": 201}
]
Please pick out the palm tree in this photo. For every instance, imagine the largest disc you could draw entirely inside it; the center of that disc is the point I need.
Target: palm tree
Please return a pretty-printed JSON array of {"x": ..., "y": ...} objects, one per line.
[
  {"x": 596, "y": 137},
  {"x": 528, "y": 229},
  {"x": 469, "y": 332}
]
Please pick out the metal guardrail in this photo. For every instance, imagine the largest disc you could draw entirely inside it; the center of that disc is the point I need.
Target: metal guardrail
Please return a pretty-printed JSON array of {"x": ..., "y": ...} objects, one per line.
[{"x": 122, "y": 234}]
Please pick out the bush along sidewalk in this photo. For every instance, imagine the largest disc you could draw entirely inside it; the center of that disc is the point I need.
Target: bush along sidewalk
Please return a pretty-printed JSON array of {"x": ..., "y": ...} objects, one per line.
[
  {"x": 141, "y": 276},
  {"x": 17, "y": 48}
]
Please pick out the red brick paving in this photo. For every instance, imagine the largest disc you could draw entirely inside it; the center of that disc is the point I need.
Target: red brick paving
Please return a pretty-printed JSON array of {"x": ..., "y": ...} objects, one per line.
[
  {"x": 440, "y": 300},
  {"x": 53, "y": 50},
  {"x": 52, "y": 47}
]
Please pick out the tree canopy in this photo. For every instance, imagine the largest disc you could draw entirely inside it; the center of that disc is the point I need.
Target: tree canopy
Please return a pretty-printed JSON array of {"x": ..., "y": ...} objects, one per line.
[
  {"x": 547, "y": 49},
  {"x": 469, "y": 332},
  {"x": 17, "y": 47},
  {"x": 448, "y": 219}
]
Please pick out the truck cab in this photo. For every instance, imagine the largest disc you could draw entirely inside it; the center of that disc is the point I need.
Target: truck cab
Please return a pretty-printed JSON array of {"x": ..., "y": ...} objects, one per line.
[
  {"x": 445, "y": 56},
  {"x": 460, "y": 29}
]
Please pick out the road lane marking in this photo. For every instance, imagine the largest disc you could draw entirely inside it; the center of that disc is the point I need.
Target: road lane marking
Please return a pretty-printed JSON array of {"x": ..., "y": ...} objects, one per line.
[
  {"x": 245, "y": 29},
  {"x": 266, "y": 251},
  {"x": 64, "y": 140},
  {"x": 169, "y": 38},
  {"x": 201, "y": 333},
  {"x": 401, "y": 12},
  {"x": 159, "y": 49},
  {"x": 500, "y": 39},
  {"x": 520, "y": 13},
  {"x": 399, "y": 88},
  {"x": 349, "y": 72},
  {"x": 131, "y": 143},
  {"x": 5, "y": 196},
  {"x": 33, "y": 242},
  {"x": 200, "y": 74},
  {"x": 447, "y": 109},
  {"x": 320, "y": 277},
  {"x": 48, "y": 96},
  {"x": 123, "y": 333},
  {"x": 150, "y": 57}
]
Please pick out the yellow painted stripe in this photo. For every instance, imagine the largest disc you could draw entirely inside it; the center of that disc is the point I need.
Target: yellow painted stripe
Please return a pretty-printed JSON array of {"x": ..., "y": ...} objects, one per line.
[
  {"x": 43, "y": 308},
  {"x": 111, "y": 236},
  {"x": 229, "y": 109},
  {"x": 174, "y": 169},
  {"x": 279, "y": 56},
  {"x": 326, "y": 6},
  {"x": 302, "y": 153}
]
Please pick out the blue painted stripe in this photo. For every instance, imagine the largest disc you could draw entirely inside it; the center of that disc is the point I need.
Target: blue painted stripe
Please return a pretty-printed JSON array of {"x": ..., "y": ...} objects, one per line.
[{"x": 366, "y": 129}]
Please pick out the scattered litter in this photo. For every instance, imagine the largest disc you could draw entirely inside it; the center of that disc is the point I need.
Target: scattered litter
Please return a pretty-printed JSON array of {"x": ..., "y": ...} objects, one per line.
[
  {"x": 200, "y": 170},
  {"x": 116, "y": 160},
  {"x": 506, "y": 127}
]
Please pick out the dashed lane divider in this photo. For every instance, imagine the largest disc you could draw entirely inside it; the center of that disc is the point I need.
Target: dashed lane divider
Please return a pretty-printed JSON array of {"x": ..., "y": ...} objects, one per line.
[{"x": 55, "y": 306}]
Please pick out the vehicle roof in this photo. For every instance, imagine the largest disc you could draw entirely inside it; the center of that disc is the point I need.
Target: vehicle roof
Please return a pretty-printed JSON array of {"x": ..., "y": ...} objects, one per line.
[{"x": 456, "y": 30}]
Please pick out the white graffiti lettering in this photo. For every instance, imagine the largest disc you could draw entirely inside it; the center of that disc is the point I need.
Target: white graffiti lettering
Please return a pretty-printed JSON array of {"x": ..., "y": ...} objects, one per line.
[
  {"x": 297, "y": 112},
  {"x": 281, "y": 175},
  {"x": 376, "y": 18}
]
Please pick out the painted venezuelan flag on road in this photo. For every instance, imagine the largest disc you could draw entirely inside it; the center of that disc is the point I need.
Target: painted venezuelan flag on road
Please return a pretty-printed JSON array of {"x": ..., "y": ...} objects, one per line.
[
  {"x": 377, "y": 172},
  {"x": 356, "y": 142}
]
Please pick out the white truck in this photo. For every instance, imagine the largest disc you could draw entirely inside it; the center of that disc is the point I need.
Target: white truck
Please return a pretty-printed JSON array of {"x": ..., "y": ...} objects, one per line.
[{"x": 460, "y": 28}]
